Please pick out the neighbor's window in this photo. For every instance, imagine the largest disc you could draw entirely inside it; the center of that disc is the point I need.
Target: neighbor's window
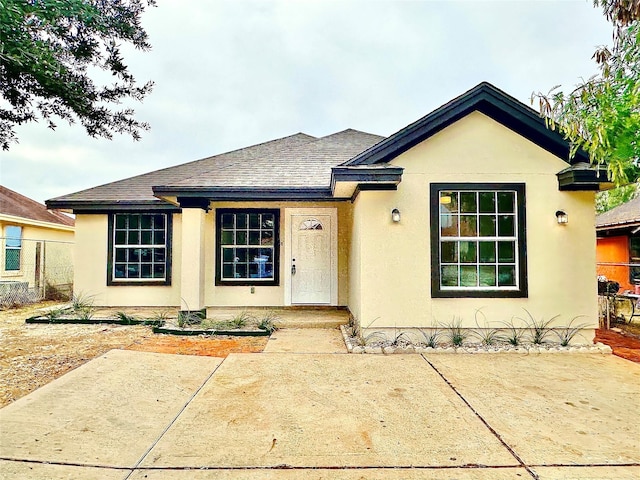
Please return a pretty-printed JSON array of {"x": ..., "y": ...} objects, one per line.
[
  {"x": 634, "y": 257},
  {"x": 478, "y": 240},
  {"x": 12, "y": 248},
  {"x": 139, "y": 248},
  {"x": 247, "y": 247}
]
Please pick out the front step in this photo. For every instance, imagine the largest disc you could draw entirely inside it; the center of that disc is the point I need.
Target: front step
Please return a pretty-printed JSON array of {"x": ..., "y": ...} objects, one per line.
[{"x": 288, "y": 317}]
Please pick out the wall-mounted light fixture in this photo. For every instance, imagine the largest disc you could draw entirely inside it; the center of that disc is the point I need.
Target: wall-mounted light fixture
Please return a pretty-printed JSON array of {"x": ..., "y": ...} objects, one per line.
[
  {"x": 395, "y": 215},
  {"x": 562, "y": 217}
]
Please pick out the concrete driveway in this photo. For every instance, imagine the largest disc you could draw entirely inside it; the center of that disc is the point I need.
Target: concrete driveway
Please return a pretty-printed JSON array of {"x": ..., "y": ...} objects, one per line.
[{"x": 291, "y": 413}]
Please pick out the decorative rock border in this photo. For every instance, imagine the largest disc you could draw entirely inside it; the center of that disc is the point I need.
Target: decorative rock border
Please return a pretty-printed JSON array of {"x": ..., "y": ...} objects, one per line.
[{"x": 526, "y": 349}]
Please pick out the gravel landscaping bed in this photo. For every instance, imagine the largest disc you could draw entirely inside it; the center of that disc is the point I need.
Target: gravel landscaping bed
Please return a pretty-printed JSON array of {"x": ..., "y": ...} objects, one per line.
[{"x": 382, "y": 346}]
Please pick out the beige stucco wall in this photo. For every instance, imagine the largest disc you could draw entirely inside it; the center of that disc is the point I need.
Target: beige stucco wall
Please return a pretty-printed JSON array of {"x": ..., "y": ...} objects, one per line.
[
  {"x": 272, "y": 295},
  {"x": 56, "y": 254},
  {"x": 390, "y": 278},
  {"x": 199, "y": 266},
  {"x": 90, "y": 277}
]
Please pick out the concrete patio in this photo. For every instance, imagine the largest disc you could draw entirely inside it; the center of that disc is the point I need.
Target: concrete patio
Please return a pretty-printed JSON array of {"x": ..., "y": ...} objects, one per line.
[{"x": 295, "y": 411}]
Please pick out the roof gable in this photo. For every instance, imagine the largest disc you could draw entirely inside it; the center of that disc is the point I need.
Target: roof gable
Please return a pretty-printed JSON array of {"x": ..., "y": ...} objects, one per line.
[
  {"x": 17, "y": 205},
  {"x": 484, "y": 98}
]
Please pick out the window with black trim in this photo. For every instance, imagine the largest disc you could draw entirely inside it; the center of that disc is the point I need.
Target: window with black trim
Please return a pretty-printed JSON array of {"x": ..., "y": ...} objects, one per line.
[
  {"x": 12, "y": 248},
  {"x": 478, "y": 241},
  {"x": 139, "y": 248},
  {"x": 247, "y": 250}
]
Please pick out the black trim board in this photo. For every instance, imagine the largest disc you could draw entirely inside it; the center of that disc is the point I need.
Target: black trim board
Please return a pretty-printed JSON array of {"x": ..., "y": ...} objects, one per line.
[
  {"x": 434, "y": 212},
  {"x": 141, "y": 283},
  {"x": 245, "y": 194},
  {"x": 276, "y": 249},
  {"x": 486, "y": 99}
]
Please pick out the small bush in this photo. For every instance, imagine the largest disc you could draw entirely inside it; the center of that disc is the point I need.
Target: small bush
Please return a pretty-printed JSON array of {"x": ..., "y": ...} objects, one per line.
[
  {"x": 539, "y": 329},
  {"x": 488, "y": 335},
  {"x": 431, "y": 336},
  {"x": 457, "y": 335},
  {"x": 268, "y": 322},
  {"x": 566, "y": 334},
  {"x": 514, "y": 333}
]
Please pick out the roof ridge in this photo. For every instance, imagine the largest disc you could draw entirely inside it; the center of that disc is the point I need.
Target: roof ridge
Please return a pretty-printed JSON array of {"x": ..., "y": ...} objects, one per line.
[{"x": 30, "y": 204}]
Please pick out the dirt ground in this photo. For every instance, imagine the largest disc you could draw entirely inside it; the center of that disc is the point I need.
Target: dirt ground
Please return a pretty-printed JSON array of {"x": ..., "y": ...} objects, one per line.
[
  {"x": 624, "y": 343},
  {"x": 33, "y": 355}
]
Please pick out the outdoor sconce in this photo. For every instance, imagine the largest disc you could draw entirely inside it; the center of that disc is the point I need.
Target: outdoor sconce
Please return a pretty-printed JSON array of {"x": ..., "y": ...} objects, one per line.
[
  {"x": 562, "y": 217},
  {"x": 395, "y": 215}
]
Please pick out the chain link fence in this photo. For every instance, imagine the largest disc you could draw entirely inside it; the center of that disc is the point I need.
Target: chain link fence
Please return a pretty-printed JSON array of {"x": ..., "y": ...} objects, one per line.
[{"x": 35, "y": 270}]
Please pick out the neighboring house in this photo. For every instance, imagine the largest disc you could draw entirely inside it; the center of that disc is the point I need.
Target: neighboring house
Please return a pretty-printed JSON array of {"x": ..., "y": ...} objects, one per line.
[
  {"x": 618, "y": 232},
  {"x": 37, "y": 246},
  {"x": 454, "y": 213}
]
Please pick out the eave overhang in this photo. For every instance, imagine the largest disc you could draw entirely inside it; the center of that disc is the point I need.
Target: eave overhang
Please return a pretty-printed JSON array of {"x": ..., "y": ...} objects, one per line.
[
  {"x": 347, "y": 181},
  {"x": 100, "y": 206},
  {"x": 583, "y": 177}
]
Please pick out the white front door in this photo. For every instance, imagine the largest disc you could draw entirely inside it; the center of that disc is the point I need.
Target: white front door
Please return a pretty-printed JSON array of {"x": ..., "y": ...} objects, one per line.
[{"x": 311, "y": 258}]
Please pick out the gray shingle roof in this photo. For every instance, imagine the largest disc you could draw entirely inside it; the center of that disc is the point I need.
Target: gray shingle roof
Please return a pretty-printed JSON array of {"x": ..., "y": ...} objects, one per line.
[
  {"x": 297, "y": 161},
  {"x": 17, "y": 205},
  {"x": 627, "y": 213}
]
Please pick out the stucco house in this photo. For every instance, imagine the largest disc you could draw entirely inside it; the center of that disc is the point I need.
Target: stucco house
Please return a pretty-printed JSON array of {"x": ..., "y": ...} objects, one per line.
[
  {"x": 618, "y": 245},
  {"x": 453, "y": 213},
  {"x": 37, "y": 248}
]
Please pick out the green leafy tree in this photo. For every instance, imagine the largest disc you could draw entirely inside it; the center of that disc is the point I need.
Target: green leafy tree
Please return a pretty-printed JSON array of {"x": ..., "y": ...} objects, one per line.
[
  {"x": 48, "y": 51},
  {"x": 602, "y": 115},
  {"x": 616, "y": 196}
]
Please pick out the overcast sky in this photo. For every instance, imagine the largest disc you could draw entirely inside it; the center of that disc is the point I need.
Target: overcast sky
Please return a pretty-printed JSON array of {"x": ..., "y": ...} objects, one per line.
[{"x": 233, "y": 73}]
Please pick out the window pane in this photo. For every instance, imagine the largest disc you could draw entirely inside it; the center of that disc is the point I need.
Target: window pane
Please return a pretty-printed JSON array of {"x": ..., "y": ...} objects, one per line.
[
  {"x": 254, "y": 237},
  {"x": 487, "y": 202},
  {"x": 506, "y": 228},
  {"x": 487, "y": 275},
  {"x": 241, "y": 270},
  {"x": 146, "y": 238},
  {"x": 12, "y": 259},
  {"x": 227, "y": 255},
  {"x": 133, "y": 238},
  {"x": 241, "y": 238},
  {"x": 506, "y": 202},
  {"x": 133, "y": 255},
  {"x": 487, "y": 225},
  {"x": 159, "y": 255},
  {"x": 468, "y": 252},
  {"x": 159, "y": 222},
  {"x": 146, "y": 221},
  {"x": 121, "y": 255},
  {"x": 487, "y": 252},
  {"x": 449, "y": 225},
  {"x": 227, "y": 270},
  {"x": 145, "y": 255},
  {"x": 448, "y": 202},
  {"x": 449, "y": 276},
  {"x": 227, "y": 238},
  {"x": 13, "y": 236},
  {"x": 121, "y": 221},
  {"x": 468, "y": 202},
  {"x": 227, "y": 221},
  {"x": 121, "y": 238},
  {"x": 241, "y": 255},
  {"x": 254, "y": 220},
  {"x": 506, "y": 276},
  {"x": 158, "y": 270},
  {"x": 119, "y": 271},
  {"x": 449, "y": 253},
  {"x": 268, "y": 222},
  {"x": 133, "y": 270},
  {"x": 159, "y": 237},
  {"x": 267, "y": 238},
  {"x": 468, "y": 276},
  {"x": 145, "y": 270},
  {"x": 506, "y": 252},
  {"x": 134, "y": 222},
  {"x": 468, "y": 227},
  {"x": 241, "y": 220}
]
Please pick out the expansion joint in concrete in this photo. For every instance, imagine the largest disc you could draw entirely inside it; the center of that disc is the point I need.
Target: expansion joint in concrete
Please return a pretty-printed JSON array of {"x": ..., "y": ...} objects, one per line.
[
  {"x": 486, "y": 424},
  {"x": 144, "y": 455}
]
